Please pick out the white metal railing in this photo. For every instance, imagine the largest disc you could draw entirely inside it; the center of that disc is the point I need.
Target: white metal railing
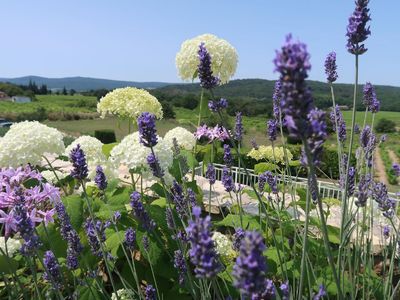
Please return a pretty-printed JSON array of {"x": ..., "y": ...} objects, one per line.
[{"x": 326, "y": 189}]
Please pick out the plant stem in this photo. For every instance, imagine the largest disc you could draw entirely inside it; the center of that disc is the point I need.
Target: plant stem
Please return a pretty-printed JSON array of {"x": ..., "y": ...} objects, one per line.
[{"x": 198, "y": 124}]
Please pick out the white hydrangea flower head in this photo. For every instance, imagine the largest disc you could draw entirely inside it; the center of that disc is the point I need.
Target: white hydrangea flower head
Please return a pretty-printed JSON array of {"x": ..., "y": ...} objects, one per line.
[
  {"x": 13, "y": 245},
  {"x": 184, "y": 137},
  {"x": 93, "y": 149},
  {"x": 131, "y": 153},
  {"x": 129, "y": 102},
  {"x": 123, "y": 294},
  {"x": 224, "y": 58},
  {"x": 267, "y": 153},
  {"x": 27, "y": 142},
  {"x": 51, "y": 177},
  {"x": 223, "y": 247}
]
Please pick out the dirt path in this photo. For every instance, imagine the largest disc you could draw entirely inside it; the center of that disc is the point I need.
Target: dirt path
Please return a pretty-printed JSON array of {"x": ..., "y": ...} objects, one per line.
[{"x": 380, "y": 167}]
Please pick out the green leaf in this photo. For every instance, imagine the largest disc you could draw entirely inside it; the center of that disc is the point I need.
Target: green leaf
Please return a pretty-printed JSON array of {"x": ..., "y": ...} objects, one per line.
[
  {"x": 190, "y": 158},
  {"x": 51, "y": 238},
  {"x": 264, "y": 166},
  {"x": 89, "y": 293},
  {"x": 7, "y": 265},
  {"x": 249, "y": 222},
  {"x": 114, "y": 241},
  {"x": 294, "y": 163},
  {"x": 74, "y": 207},
  {"x": 333, "y": 234},
  {"x": 158, "y": 189},
  {"x": 161, "y": 202},
  {"x": 107, "y": 148}
]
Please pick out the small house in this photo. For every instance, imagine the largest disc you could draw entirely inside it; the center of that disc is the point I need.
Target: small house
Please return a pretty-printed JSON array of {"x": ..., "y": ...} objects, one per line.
[{"x": 21, "y": 99}]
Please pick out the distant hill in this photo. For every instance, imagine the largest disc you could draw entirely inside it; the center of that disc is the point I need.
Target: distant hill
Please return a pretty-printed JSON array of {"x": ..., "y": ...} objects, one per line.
[
  {"x": 82, "y": 83},
  {"x": 247, "y": 91}
]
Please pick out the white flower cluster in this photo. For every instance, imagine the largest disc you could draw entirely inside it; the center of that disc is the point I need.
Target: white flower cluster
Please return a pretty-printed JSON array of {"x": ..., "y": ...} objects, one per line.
[
  {"x": 123, "y": 294},
  {"x": 224, "y": 57},
  {"x": 93, "y": 150},
  {"x": 129, "y": 102},
  {"x": 131, "y": 153},
  {"x": 267, "y": 153},
  {"x": 27, "y": 142},
  {"x": 51, "y": 177},
  {"x": 13, "y": 245},
  {"x": 184, "y": 137},
  {"x": 223, "y": 247}
]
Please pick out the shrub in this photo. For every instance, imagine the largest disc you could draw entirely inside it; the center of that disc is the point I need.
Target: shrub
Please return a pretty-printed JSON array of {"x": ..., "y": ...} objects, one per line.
[
  {"x": 3, "y": 131},
  {"x": 106, "y": 136},
  {"x": 385, "y": 126},
  {"x": 168, "y": 111}
]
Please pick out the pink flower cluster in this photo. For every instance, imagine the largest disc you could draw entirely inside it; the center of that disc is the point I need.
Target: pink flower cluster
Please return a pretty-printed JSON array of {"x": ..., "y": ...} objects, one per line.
[
  {"x": 39, "y": 197},
  {"x": 218, "y": 132}
]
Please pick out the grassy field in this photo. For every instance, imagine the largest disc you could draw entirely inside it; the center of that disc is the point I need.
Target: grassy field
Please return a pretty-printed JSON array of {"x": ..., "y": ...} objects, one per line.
[{"x": 53, "y": 103}]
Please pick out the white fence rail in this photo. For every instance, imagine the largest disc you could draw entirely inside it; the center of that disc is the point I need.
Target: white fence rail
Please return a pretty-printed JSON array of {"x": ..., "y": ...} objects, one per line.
[{"x": 326, "y": 189}]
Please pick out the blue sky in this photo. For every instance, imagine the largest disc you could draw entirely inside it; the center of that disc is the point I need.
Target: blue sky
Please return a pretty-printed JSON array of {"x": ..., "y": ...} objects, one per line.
[{"x": 138, "y": 40}]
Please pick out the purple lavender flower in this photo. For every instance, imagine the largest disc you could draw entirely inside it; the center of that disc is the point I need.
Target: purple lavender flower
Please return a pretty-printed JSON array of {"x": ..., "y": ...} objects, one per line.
[
  {"x": 250, "y": 267},
  {"x": 330, "y": 67},
  {"x": 207, "y": 80},
  {"x": 68, "y": 233},
  {"x": 218, "y": 105},
  {"x": 363, "y": 190},
  {"x": 150, "y": 293},
  {"x": 357, "y": 129},
  {"x": 292, "y": 62},
  {"x": 179, "y": 200},
  {"x": 95, "y": 234},
  {"x": 24, "y": 224},
  {"x": 381, "y": 196},
  {"x": 201, "y": 131},
  {"x": 154, "y": 165},
  {"x": 210, "y": 174},
  {"x": 268, "y": 177},
  {"x": 272, "y": 129},
  {"x": 140, "y": 213},
  {"x": 276, "y": 99},
  {"x": 337, "y": 116},
  {"x": 383, "y": 138},
  {"x": 238, "y": 127},
  {"x": 357, "y": 30},
  {"x": 130, "y": 238},
  {"x": 227, "y": 180},
  {"x": 202, "y": 249},
  {"x": 147, "y": 129},
  {"x": 386, "y": 231},
  {"x": 317, "y": 136},
  {"x": 169, "y": 217},
  {"x": 100, "y": 178},
  {"x": 52, "y": 269},
  {"x": 269, "y": 292},
  {"x": 351, "y": 180},
  {"x": 254, "y": 144},
  {"x": 321, "y": 293},
  {"x": 285, "y": 290},
  {"x": 396, "y": 169},
  {"x": 237, "y": 238},
  {"x": 191, "y": 198},
  {"x": 370, "y": 99},
  {"x": 228, "y": 160},
  {"x": 146, "y": 243},
  {"x": 180, "y": 265},
  {"x": 368, "y": 143},
  {"x": 78, "y": 159}
]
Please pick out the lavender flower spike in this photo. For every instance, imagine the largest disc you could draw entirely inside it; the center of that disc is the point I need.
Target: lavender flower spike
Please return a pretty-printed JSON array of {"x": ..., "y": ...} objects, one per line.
[
  {"x": 357, "y": 30},
  {"x": 250, "y": 267},
  {"x": 52, "y": 269},
  {"x": 218, "y": 105},
  {"x": 272, "y": 129},
  {"x": 154, "y": 165},
  {"x": 210, "y": 174},
  {"x": 180, "y": 265},
  {"x": 147, "y": 129},
  {"x": 276, "y": 99},
  {"x": 396, "y": 169},
  {"x": 100, "y": 178},
  {"x": 336, "y": 116},
  {"x": 207, "y": 80},
  {"x": 228, "y": 160},
  {"x": 140, "y": 213},
  {"x": 78, "y": 160},
  {"x": 202, "y": 249},
  {"x": 330, "y": 67},
  {"x": 238, "y": 127},
  {"x": 150, "y": 293},
  {"x": 227, "y": 180},
  {"x": 292, "y": 62},
  {"x": 130, "y": 238}
]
